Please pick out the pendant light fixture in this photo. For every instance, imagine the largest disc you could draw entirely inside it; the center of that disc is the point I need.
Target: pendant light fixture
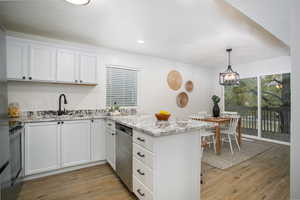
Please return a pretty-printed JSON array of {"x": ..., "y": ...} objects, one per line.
[{"x": 229, "y": 77}]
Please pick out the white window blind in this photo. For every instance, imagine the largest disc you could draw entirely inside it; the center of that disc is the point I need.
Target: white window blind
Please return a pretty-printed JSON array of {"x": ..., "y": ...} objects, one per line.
[{"x": 121, "y": 86}]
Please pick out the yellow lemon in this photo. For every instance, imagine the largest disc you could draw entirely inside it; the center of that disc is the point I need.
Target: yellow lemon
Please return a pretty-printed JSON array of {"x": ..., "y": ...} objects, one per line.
[{"x": 164, "y": 112}]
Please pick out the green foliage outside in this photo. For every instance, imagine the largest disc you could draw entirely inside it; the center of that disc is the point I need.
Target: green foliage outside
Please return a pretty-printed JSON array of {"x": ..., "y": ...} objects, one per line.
[{"x": 275, "y": 92}]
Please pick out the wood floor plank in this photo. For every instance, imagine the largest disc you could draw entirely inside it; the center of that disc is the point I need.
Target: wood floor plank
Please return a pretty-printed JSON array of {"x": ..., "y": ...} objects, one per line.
[{"x": 264, "y": 177}]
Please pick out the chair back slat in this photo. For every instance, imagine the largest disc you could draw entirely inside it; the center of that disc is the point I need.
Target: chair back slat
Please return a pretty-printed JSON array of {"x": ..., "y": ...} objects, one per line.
[
  {"x": 229, "y": 114},
  {"x": 233, "y": 124},
  {"x": 199, "y": 115}
]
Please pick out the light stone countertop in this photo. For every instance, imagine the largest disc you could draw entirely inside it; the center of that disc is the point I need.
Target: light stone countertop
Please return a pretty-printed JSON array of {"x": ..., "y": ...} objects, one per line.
[
  {"x": 148, "y": 125},
  {"x": 144, "y": 123}
]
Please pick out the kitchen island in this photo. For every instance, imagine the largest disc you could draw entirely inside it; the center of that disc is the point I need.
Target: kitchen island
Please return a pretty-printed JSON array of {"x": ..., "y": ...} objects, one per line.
[{"x": 166, "y": 158}]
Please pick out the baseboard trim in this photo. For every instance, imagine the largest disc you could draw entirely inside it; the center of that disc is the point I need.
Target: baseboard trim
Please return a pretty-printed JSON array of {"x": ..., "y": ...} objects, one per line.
[{"x": 63, "y": 170}]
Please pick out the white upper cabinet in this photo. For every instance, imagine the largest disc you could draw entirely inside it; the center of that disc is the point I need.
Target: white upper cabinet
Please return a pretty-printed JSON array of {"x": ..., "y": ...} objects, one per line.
[
  {"x": 42, "y": 63},
  {"x": 17, "y": 59},
  {"x": 66, "y": 66},
  {"x": 76, "y": 143},
  {"x": 35, "y": 61},
  {"x": 88, "y": 68}
]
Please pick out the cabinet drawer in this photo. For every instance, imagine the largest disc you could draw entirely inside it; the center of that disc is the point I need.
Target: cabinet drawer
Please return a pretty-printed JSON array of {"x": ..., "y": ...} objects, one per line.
[
  {"x": 143, "y": 155},
  {"x": 143, "y": 140},
  {"x": 141, "y": 191},
  {"x": 143, "y": 173}
]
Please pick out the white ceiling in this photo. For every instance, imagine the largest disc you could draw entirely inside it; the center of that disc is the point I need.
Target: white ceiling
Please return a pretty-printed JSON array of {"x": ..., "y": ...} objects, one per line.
[
  {"x": 275, "y": 19},
  {"x": 191, "y": 31}
]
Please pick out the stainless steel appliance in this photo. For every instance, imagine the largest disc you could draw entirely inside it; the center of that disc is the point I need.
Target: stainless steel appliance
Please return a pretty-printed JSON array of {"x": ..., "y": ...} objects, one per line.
[
  {"x": 16, "y": 155},
  {"x": 124, "y": 154}
]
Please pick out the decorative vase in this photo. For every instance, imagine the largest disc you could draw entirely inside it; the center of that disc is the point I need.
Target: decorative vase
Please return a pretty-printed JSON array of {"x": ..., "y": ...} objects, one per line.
[{"x": 216, "y": 110}]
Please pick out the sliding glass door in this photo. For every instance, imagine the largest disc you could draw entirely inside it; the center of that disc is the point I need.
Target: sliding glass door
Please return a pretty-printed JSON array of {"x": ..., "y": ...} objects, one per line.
[
  {"x": 276, "y": 107},
  {"x": 264, "y": 104},
  {"x": 243, "y": 99}
]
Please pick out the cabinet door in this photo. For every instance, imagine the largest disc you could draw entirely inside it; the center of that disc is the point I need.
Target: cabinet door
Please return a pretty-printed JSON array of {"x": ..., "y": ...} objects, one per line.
[
  {"x": 76, "y": 142},
  {"x": 98, "y": 140},
  {"x": 17, "y": 59},
  {"x": 66, "y": 66},
  {"x": 42, "y": 63},
  {"x": 111, "y": 148},
  {"x": 107, "y": 147},
  {"x": 88, "y": 68},
  {"x": 42, "y": 149}
]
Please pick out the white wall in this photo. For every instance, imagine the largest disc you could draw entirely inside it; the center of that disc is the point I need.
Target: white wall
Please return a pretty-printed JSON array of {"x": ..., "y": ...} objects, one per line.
[
  {"x": 153, "y": 94},
  {"x": 273, "y": 15},
  {"x": 295, "y": 145},
  {"x": 262, "y": 67}
]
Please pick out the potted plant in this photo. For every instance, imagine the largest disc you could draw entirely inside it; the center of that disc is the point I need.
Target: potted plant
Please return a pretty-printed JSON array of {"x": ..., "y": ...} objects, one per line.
[{"x": 216, "y": 108}]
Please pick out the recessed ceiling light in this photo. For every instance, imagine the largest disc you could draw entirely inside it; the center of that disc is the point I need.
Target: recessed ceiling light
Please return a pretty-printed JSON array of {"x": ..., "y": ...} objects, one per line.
[
  {"x": 79, "y": 2},
  {"x": 140, "y": 41}
]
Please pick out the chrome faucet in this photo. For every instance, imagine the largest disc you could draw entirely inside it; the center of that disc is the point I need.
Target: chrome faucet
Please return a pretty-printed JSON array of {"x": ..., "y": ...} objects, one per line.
[{"x": 61, "y": 112}]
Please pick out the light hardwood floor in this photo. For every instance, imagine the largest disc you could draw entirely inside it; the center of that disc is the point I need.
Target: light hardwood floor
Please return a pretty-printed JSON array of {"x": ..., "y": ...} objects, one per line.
[{"x": 265, "y": 177}]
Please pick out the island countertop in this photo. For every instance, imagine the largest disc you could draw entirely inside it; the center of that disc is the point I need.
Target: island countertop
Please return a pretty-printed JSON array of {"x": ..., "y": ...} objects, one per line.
[{"x": 149, "y": 125}]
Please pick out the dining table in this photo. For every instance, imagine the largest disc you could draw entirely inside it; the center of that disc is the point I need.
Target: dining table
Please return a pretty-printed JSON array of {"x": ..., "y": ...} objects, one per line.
[{"x": 219, "y": 121}]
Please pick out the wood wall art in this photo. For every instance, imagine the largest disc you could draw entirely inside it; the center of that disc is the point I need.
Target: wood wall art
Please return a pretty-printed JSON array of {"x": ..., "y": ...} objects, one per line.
[
  {"x": 174, "y": 80},
  {"x": 189, "y": 86},
  {"x": 182, "y": 99}
]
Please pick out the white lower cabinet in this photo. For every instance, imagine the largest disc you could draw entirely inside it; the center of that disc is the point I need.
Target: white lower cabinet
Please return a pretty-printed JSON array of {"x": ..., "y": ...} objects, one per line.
[
  {"x": 111, "y": 143},
  {"x": 98, "y": 140},
  {"x": 55, "y": 145},
  {"x": 75, "y": 143},
  {"x": 166, "y": 167},
  {"x": 42, "y": 149},
  {"x": 141, "y": 191}
]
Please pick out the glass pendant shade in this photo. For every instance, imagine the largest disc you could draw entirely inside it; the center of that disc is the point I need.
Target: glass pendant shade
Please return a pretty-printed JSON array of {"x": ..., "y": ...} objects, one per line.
[{"x": 229, "y": 77}]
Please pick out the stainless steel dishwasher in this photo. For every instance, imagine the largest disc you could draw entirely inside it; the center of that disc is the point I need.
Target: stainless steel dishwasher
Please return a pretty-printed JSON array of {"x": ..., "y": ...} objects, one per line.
[{"x": 124, "y": 154}]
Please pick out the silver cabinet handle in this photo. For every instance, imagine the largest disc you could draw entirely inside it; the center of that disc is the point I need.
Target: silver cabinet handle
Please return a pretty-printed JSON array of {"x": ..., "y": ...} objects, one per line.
[{"x": 140, "y": 192}]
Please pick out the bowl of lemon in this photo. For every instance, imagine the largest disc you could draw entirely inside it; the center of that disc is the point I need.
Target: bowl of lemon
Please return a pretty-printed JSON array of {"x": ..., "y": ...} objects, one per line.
[{"x": 163, "y": 115}]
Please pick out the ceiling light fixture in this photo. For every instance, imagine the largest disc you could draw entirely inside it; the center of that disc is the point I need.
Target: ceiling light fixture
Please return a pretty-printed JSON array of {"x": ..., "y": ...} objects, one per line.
[
  {"x": 140, "y": 41},
  {"x": 79, "y": 2},
  {"x": 229, "y": 77}
]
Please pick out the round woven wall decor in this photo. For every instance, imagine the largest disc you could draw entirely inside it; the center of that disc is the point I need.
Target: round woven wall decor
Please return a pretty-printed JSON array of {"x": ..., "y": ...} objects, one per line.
[
  {"x": 174, "y": 80},
  {"x": 182, "y": 99},
  {"x": 189, "y": 86}
]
